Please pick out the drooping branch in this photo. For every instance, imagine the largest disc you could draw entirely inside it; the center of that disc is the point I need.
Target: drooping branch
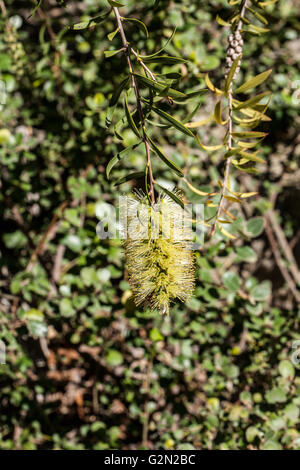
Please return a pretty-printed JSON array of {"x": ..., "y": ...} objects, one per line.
[
  {"x": 127, "y": 51},
  {"x": 230, "y": 125}
]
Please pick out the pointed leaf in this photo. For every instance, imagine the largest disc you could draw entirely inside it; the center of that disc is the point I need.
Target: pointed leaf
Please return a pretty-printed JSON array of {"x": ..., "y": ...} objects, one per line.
[
  {"x": 131, "y": 176},
  {"x": 249, "y": 134},
  {"x": 178, "y": 125},
  {"x": 130, "y": 120},
  {"x": 221, "y": 21},
  {"x": 193, "y": 125},
  {"x": 139, "y": 23},
  {"x": 197, "y": 191},
  {"x": 208, "y": 147},
  {"x": 231, "y": 73},
  {"x": 172, "y": 195},
  {"x": 168, "y": 162},
  {"x": 165, "y": 60},
  {"x": 210, "y": 85},
  {"x": 119, "y": 157},
  {"x": 218, "y": 114},
  {"x": 162, "y": 49},
  {"x": 111, "y": 35},
  {"x": 254, "y": 81},
  {"x": 112, "y": 53},
  {"x": 89, "y": 23}
]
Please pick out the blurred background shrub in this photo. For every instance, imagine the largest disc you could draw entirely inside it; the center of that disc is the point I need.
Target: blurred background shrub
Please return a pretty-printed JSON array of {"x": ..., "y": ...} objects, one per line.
[{"x": 84, "y": 368}]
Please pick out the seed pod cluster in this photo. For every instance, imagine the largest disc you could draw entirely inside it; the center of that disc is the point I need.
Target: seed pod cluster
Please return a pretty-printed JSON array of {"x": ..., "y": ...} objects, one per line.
[
  {"x": 160, "y": 262},
  {"x": 234, "y": 50}
]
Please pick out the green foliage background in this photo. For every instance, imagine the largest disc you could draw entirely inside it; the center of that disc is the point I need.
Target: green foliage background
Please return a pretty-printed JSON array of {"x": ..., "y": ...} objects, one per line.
[{"x": 78, "y": 351}]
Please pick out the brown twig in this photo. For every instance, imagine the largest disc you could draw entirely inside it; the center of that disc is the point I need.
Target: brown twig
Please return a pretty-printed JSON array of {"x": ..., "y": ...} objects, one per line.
[
  {"x": 285, "y": 274},
  {"x": 270, "y": 216},
  {"x": 146, "y": 410},
  {"x": 127, "y": 50},
  {"x": 229, "y": 133}
]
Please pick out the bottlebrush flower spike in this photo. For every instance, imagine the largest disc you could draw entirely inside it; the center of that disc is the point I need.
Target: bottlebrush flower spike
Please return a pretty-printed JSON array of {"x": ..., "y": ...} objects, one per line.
[{"x": 158, "y": 249}]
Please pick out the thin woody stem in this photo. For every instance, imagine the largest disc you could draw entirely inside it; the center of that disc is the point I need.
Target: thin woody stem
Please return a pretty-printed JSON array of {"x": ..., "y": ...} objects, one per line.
[
  {"x": 229, "y": 131},
  {"x": 127, "y": 50},
  {"x": 143, "y": 65}
]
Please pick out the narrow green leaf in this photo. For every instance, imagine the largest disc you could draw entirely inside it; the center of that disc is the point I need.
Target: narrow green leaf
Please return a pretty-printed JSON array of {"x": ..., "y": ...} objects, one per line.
[
  {"x": 178, "y": 125},
  {"x": 251, "y": 157},
  {"x": 168, "y": 162},
  {"x": 112, "y": 53},
  {"x": 110, "y": 36},
  {"x": 252, "y": 101},
  {"x": 231, "y": 74},
  {"x": 260, "y": 17},
  {"x": 139, "y": 23},
  {"x": 254, "y": 81},
  {"x": 218, "y": 114},
  {"x": 114, "y": 100},
  {"x": 89, "y": 23},
  {"x": 160, "y": 87},
  {"x": 172, "y": 195},
  {"x": 221, "y": 21},
  {"x": 119, "y": 157},
  {"x": 249, "y": 134},
  {"x": 131, "y": 176},
  {"x": 160, "y": 50},
  {"x": 130, "y": 120},
  {"x": 165, "y": 60},
  {"x": 113, "y": 3},
  {"x": 257, "y": 29},
  {"x": 116, "y": 94}
]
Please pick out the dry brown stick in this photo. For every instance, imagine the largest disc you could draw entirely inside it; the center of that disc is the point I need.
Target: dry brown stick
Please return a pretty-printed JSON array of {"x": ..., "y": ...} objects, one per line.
[
  {"x": 285, "y": 274},
  {"x": 270, "y": 216},
  {"x": 229, "y": 133},
  {"x": 44, "y": 238},
  {"x": 146, "y": 410},
  {"x": 127, "y": 50}
]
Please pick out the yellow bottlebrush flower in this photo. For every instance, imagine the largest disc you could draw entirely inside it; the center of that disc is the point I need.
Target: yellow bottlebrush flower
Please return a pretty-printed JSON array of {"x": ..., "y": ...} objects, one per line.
[{"x": 158, "y": 249}]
